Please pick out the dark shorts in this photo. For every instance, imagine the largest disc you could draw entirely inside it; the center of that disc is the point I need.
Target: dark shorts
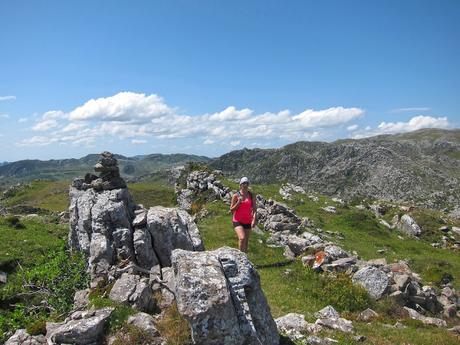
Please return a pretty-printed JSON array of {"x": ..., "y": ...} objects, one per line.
[{"x": 245, "y": 226}]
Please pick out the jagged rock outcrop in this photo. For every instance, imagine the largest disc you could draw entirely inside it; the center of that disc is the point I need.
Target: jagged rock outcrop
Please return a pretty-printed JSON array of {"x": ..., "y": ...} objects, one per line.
[
  {"x": 107, "y": 226},
  {"x": 219, "y": 294}
]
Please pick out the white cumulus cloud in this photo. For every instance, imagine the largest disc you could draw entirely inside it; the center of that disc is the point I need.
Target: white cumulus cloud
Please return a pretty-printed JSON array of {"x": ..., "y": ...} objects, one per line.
[
  {"x": 134, "y": 116},
  {"x": 124, "y": 106},
  {"x": 415, "y": 123}
]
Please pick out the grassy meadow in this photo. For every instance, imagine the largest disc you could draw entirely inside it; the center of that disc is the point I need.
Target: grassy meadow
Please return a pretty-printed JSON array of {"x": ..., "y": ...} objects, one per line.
[{"x": 288, "y": 286}]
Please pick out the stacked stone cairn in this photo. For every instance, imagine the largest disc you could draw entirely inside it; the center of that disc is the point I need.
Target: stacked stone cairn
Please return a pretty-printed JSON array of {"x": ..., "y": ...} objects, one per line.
[
  {"x": 135, "y": 253},
  {"x": 108, "y": 179}
]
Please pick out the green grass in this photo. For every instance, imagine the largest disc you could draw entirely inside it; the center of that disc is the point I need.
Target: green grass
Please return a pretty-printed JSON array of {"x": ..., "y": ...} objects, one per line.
[
  {"x": 290, "y": 287},
  {"x": 47, "y": 195},
  {"x": 28, "y": 244},
  {"x": 152, "y": 194}
]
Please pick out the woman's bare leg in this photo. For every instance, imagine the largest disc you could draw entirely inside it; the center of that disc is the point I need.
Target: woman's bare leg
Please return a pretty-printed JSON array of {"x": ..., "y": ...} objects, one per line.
[
  {"x": 242, "y": 241},
  {"x": 246, "y": 240}
]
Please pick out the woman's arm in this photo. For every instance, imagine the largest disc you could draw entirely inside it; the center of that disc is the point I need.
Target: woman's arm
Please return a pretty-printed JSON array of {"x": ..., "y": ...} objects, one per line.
[
  {"x": 254, "y": 210},
  {"x": 236, "y": 201}
]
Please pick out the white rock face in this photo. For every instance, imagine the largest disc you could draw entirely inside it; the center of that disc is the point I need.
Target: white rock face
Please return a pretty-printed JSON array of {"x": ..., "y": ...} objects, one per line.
[{"x": 219, "y": 293}]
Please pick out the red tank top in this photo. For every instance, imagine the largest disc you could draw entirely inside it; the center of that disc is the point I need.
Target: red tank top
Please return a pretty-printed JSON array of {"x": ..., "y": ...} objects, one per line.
[{"x": 243, "y": 214}]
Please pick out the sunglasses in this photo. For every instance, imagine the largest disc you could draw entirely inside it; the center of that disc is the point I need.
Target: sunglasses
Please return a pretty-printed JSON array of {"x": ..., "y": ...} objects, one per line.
[{"x": 245, "y": 183}]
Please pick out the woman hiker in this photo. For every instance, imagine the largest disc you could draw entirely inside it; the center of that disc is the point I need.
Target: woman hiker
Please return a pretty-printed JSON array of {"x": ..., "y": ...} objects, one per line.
[{"x": 243, "y": 207}]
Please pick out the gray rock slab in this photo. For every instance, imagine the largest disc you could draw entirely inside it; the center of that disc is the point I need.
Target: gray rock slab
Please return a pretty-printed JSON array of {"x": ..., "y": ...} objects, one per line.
[
  {"x": 374, "y": 280},
  {"x": 81, "y": 331}
]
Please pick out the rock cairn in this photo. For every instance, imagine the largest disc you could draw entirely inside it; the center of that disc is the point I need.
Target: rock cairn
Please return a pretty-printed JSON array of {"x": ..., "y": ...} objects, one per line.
[{"x": 109, "y": 177}]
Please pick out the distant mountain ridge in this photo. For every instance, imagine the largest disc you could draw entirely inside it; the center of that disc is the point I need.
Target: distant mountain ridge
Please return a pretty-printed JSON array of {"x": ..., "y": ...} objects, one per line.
[
  {"x": 421, "y": 167},
  {"x": 57, "y": 169}
]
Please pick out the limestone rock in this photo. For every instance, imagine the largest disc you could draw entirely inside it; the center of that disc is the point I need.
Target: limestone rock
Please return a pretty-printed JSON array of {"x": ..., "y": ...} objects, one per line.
[
  {"x": 327, "y": 312},
  {"x": 21, "y": 337},
  {"x": 340, "y": 265},
  {"x": 338, "y": 324},
  {"x": 374, "y": 280},
  {"x": 143, "y": 248},
  {"x": 82, "y": 329},
  {"x": 329, "y": 209},
  {"x": 367, "y": 315},
  {"x": 315, "y": 340},
  {"x": 100, "y": 226},
  {"x": 408, "y": 225},
  {"x": 335, "y": 252},
  {"x": 133, "y": 290},
  {"x": 292, "y": 325},
  {"x": 81, "y": 299},
  {"x": 171, "y": 229},
  {"x": 3, "y": 278},
  {"x": 219, "y": 293},
  {"x": 426, "y": 320}
]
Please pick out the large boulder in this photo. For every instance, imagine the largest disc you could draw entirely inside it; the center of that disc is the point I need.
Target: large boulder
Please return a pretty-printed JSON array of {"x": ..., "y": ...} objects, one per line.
[
  {"x": 219, "y": 293},
  {"x": 373, "y": 279},
  {"x": 172, "y": 228}
]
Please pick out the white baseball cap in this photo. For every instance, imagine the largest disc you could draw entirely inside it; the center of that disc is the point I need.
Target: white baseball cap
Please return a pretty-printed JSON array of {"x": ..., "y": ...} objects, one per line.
[{"x": 244, "y": 180}]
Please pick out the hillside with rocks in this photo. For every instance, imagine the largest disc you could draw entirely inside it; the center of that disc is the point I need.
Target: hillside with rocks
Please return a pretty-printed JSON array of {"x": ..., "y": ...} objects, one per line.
[
  {"x": 320, "y": 270},
  {"x": 419, "y": 167}
]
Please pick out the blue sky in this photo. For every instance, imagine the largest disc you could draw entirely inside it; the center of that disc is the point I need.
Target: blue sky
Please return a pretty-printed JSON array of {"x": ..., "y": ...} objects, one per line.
[{"x": 207, "y": 77}]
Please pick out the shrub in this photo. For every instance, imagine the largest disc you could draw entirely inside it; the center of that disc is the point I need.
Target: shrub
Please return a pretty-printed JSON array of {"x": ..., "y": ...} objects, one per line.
[
  {"x": 340, "y": 292},
  {"x": 14, "y": 222},
  {"x": 388, "y": 308},
  {"x": 37, "y": 327},
  {"x": 119, "y": 316}
]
